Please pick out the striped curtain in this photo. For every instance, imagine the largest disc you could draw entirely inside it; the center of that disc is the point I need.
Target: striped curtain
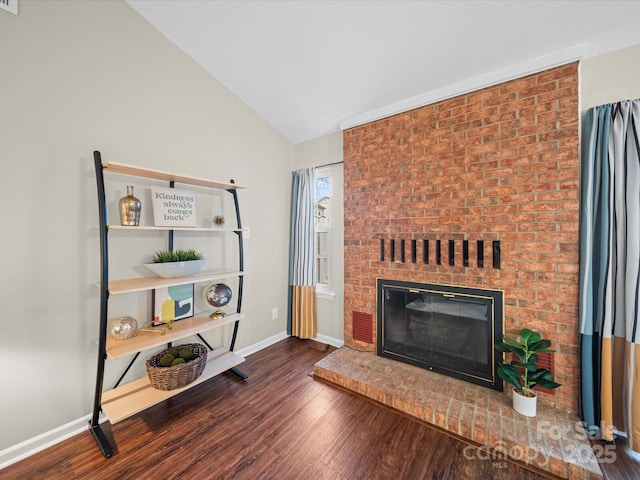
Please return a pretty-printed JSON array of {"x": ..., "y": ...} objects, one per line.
[
  {"x": 610, "y": 271},
  {"x": 301, "y": 320}
]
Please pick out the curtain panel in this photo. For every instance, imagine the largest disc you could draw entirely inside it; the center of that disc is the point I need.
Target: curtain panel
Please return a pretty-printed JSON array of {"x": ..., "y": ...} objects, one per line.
[
  {"x": 301, "y": 319},
  {"x": 610, "y": 271}
]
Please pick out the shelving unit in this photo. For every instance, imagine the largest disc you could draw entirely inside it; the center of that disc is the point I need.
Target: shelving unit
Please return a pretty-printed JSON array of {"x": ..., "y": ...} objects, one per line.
[{"x": 133, "y": 397}]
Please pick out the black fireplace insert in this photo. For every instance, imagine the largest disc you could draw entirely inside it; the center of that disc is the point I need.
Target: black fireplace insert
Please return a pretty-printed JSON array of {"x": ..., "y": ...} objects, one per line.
[{"x": 446, "y": 329}]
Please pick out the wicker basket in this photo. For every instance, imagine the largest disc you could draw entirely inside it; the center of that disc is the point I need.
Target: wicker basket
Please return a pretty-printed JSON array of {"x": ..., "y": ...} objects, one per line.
[{"x": 169, "y": 378}]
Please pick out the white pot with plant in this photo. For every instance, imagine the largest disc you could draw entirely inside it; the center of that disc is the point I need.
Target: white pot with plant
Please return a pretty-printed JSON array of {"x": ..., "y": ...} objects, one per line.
[
  {"x": 523, "y": 372},
  {"x": 176, "y": 263}
]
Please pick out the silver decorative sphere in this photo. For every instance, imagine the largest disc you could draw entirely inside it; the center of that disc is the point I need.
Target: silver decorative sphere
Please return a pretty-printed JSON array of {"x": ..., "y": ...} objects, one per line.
[
  {"x": 124, "y": 327},
  {"x": 217, "y": 295}
]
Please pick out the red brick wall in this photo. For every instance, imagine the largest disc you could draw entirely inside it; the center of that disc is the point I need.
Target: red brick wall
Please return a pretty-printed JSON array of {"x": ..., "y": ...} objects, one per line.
[{"x": 500, "y": 163}]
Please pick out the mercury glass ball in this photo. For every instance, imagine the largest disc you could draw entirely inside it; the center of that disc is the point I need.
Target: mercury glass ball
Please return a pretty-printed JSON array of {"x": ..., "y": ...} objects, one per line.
[{"x": 124, "y": 327}]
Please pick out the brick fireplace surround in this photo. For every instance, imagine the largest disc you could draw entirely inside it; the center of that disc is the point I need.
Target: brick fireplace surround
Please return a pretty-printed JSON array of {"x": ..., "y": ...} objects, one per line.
[{"x": 501, "y": 163}]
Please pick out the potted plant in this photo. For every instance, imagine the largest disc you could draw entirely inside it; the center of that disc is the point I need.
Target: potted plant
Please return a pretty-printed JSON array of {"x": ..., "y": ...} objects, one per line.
[
  {"x": 523, "y": 372},
  {"x": 176, "y": 263}
]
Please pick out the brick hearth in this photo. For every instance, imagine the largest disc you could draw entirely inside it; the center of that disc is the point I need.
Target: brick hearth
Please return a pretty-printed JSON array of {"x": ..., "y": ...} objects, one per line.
[{"x": 551, "y": 442}]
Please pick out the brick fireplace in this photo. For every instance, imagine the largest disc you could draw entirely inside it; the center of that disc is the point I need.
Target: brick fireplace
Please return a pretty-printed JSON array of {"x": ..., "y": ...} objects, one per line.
[
  {"x": 477, "y": 191},
  {"x": 430, "y": 192}
]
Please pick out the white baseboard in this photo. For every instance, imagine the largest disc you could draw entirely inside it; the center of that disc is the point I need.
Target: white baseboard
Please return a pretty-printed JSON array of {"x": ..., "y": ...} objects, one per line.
[
  {"x": 334, "y": 342},
  {"x": 45, "y": 440},
  {"x": 256, "y": 347}
]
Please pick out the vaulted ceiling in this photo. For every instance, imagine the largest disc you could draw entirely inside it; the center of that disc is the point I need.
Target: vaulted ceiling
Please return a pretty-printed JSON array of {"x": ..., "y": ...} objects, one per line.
[{"x": 307, "y": 66}]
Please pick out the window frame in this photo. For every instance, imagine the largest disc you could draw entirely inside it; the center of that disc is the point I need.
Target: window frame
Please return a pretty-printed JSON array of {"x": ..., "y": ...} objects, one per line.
[{"x": 323, "y": 290}]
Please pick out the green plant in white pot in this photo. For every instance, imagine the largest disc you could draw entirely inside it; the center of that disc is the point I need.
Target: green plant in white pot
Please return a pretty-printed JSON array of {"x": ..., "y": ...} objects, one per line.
[
  {"x": 176, "y": 263},
  {"x": 179, "y": 255},
  {"x": 523, "y": 372}
]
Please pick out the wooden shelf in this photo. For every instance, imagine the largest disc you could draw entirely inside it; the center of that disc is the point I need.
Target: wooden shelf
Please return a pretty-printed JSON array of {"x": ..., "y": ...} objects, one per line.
[
  {"x": 181, "y": 329},
  {"x": 141, "y": 284},
  {"x": 166, "y": 176},
  {"x": 132, "y": 398},
  {"x": 184, "y": 229},
  {"x": 137, "y": 395}
]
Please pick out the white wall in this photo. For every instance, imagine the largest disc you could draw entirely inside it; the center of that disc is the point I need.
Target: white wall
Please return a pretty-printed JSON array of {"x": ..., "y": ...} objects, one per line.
[
  {"x": 610, "y": 78},
  {"x": 322, "y": 151},
  {"x": 79, "y": 76}
]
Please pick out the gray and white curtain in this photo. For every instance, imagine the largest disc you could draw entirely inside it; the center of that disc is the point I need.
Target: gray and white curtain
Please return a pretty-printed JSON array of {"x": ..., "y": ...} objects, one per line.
[
  {"x": 301, "y": 321},
  {"x": 610, "y": 271}
]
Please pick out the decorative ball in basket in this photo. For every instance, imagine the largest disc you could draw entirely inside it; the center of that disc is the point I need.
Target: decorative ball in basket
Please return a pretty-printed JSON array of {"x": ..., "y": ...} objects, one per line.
[
  {"x": 217, "y": 295},
  {"x": 177, "y": 366}
]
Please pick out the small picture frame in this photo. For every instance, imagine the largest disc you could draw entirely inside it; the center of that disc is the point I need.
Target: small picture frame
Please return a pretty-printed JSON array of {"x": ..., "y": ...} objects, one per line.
[
  {"x": 172, "y": 303},
  {"x": 173, "y": 207}
]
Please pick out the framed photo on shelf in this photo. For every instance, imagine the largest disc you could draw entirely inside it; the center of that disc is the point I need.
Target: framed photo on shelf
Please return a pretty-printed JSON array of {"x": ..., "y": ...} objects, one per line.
[{"x": 172, "y": 303}]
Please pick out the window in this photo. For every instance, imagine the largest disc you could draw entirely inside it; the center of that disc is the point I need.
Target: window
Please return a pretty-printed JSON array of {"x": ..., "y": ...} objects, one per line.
[{"x": 322, "y": 182}]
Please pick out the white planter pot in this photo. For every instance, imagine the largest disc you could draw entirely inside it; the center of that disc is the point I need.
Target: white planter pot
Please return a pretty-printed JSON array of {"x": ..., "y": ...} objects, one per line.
[
  {"x": 176, "y": 269},
  {"x": 525, "y": 405}
]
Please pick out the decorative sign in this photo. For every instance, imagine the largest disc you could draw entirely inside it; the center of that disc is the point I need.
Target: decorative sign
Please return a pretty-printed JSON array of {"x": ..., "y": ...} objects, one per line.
[
  {"x": 173, "y": 208},
  {"x": 9, "y": 6}
]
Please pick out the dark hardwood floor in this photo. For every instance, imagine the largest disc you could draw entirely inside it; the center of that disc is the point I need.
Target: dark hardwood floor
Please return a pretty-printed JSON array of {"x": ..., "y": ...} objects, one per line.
[{"x": 280, "y": 424}]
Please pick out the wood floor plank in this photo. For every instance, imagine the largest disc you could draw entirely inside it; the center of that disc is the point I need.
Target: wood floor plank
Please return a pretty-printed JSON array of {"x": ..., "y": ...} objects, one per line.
[{"x": 280, "y": 424}]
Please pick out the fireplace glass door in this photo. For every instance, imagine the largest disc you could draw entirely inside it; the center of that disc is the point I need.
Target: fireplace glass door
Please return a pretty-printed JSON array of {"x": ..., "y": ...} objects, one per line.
[{"x": 449, "y": 330}]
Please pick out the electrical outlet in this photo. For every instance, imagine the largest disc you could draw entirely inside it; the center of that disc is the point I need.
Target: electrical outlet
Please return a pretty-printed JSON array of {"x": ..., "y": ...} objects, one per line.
[
  {"x": 274, "y": 313},
  {"x": 246, "y": 233}
]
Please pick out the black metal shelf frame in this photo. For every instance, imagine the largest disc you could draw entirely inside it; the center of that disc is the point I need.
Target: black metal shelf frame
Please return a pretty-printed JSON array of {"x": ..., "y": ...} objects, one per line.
[{"x": 94, "y": 424}]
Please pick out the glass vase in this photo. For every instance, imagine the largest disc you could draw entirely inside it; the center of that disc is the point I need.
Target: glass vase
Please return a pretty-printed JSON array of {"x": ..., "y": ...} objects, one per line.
[{"x": 130, "y": 208}]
